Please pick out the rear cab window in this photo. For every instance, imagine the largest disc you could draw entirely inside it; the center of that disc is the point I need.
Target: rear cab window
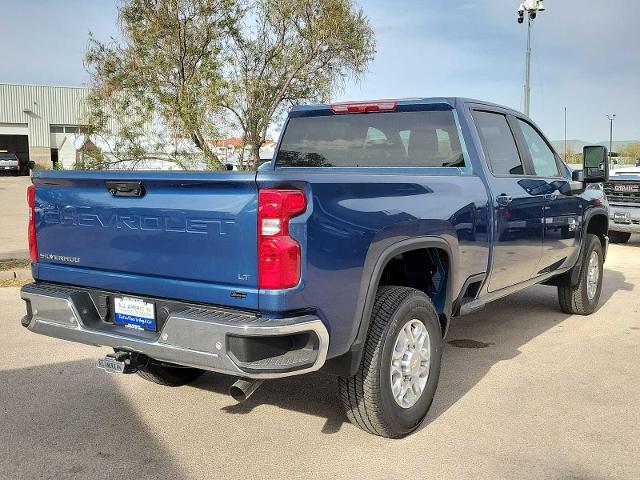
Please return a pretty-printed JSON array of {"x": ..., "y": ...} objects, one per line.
[{"x": 427, "y": 138}]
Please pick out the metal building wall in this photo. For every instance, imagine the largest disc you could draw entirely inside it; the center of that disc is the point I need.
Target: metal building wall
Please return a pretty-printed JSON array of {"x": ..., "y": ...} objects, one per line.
[{"x": 48, "y": 105}]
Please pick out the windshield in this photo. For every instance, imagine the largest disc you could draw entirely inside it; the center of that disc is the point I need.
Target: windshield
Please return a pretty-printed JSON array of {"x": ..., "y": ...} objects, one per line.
[{"x": 393, "y": 139}]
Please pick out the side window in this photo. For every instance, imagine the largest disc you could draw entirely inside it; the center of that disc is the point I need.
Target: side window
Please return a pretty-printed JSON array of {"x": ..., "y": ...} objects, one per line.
[
  {"x": 499, "y": 144},
  {"x": 543, "y": 158}
]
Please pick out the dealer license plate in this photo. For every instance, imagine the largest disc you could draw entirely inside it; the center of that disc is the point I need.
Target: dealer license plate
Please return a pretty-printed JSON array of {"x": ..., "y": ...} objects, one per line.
[
  {"x": 621, "y": 217},
  {"x": 134, "y": 313},
  {"x": 110, "y": 365}
]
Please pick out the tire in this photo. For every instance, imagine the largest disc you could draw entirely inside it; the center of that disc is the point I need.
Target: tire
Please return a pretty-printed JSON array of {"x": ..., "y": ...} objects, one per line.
[
  {"x": 167, "y": 375},
  {"x": 619, "y": 237},
  {"x": 367, "y": 397},
  {"x": 579, "y": 299}
]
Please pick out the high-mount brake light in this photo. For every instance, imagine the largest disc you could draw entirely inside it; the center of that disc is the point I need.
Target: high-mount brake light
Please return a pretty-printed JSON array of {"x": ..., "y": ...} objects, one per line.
[
  {"x": 33, "y": 243},
  {"x": 365, "y": 107},
  {"x": 278, "y": 253}
]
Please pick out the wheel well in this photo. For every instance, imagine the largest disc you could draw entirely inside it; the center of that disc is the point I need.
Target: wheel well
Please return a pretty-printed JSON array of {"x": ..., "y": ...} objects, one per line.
[
  {"x": 425, "y": 269},
  {"x": 599, "y": 225}
]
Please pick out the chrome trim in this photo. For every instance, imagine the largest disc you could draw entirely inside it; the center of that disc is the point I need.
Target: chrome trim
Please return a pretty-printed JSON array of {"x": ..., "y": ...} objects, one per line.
[{"x": 184, "y": 339}]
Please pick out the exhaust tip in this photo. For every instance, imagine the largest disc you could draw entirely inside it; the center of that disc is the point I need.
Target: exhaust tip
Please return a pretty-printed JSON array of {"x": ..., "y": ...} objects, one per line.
[
  {"x": 242, "y": 389},
  {"x": 237, "y": 394}
]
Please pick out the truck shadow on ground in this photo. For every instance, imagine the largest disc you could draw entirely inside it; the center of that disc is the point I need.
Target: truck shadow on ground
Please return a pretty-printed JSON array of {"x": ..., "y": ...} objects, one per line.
[
  {"x": 58, "y": 422},
  {"x": 474, "y": 344},
  {"x": 633, "y": 242}
]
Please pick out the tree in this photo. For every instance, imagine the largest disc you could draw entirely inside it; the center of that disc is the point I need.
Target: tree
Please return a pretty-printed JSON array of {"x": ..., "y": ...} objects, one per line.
[
  {"x": 631, "y": 151},
  {"x": 292, "y": 51},
  {"x": 162, "y": 81},
  {"x": 193, "y": 69},
  {"x": 571, "y": 157}
]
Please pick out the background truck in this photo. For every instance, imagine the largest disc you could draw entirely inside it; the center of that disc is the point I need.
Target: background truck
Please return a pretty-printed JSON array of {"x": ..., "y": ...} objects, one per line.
[
  {"x": 375, "y": 224},
  {"x": 9, "y": 162},
  {"x": 623, "y": 193}
]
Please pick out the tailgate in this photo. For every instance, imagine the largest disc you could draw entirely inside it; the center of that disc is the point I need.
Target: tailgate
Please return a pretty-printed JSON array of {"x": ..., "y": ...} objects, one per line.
[{"x": 191, "y": 235}]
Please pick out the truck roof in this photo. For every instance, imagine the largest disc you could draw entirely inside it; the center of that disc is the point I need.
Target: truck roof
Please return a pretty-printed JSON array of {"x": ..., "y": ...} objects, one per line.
[{"x": 450, "y": 102}]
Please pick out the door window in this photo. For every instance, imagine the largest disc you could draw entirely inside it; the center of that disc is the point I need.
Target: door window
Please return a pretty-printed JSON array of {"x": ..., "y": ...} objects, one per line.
[
  {"x": 543, "y": 158},
  {"x": 499, "y": 144}
]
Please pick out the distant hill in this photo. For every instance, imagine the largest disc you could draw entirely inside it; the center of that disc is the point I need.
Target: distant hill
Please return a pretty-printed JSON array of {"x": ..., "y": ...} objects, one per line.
[{"x": 577, "y": 145}]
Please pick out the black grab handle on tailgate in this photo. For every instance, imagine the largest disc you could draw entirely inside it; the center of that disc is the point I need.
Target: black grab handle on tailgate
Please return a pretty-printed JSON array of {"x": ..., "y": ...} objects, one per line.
[{"x": 125, "y": 189}]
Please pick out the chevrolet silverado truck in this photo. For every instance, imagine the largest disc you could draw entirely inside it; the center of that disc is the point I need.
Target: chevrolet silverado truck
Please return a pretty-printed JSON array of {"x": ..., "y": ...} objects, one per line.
[
  {"x": 623, "y": 194},
  {"x": 350, "y": 252}
]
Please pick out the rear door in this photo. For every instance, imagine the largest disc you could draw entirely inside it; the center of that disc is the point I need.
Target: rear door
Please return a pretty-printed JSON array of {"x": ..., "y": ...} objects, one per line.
[
  {"x": 561, "y": 206},
  {"x": 188, "y": 235},
  {"x": 518, "y": 211}
]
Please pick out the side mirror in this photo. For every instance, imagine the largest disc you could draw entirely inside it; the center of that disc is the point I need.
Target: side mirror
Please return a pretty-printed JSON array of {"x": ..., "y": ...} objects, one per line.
[{"x": 595, "y": 164}]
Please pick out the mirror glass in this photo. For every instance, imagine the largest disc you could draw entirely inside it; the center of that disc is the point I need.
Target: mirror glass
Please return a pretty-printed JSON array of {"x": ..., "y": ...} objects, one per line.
[{"x": 596, "y": 166}]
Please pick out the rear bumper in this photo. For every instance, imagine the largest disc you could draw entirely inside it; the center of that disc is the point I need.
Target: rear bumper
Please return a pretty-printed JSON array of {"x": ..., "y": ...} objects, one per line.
[
  {"x": 628, "y": 218},
  {"x": 226, "y": 341}
]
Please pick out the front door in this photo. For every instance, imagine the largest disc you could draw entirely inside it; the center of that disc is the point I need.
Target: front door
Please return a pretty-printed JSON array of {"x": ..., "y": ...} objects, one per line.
[
  {"x": 518, "y": 211},
  {"x": 561, "y": 209}
]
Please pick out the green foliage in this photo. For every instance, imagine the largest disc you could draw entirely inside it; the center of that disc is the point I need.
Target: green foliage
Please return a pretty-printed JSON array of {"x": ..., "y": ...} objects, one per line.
[
  {"x": 630, "y": 151},
  {"x": 571, "y": 157},
  {"x": 163, "y": 80}
]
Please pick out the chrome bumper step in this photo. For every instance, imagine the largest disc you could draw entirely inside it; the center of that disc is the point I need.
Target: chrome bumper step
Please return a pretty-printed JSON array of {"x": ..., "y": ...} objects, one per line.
[{"x": 194, "y": 336}]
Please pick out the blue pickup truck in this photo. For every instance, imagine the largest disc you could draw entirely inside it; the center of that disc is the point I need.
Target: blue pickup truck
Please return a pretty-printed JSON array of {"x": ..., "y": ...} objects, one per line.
[{"x": 375, "y": 224}]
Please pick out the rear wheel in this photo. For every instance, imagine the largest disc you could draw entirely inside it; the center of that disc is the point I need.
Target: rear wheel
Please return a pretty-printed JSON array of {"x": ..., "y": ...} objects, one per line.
[
  {"x": 619, "y": 237},
  {"x": 583, "y": 298},
  {"x": 168, "y": 375},
  {"x": 392, "y": 391}
]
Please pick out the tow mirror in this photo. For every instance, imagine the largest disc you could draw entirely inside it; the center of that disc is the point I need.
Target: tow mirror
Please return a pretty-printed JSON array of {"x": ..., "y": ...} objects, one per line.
[{"x": 595, "y": 164}]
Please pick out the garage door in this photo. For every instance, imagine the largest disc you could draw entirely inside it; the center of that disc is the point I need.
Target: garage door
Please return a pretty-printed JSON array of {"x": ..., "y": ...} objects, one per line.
[
  {"x": 14, "y": 139},
  {"x": 14, "y": 129}
]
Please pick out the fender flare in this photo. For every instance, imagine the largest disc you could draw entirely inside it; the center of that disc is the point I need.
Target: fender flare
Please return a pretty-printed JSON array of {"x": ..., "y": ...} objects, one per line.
[
  {"x": 348, "y": 363},
  {"x": 575, "y": 272}
]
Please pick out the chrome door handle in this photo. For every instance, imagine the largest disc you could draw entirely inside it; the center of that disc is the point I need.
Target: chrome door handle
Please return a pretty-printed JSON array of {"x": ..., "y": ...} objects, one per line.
[{"x": 504, "y": 200}]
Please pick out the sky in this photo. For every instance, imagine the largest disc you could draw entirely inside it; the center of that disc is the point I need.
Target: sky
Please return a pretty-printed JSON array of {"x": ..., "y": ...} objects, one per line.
[{"x": 585, "y": 55}]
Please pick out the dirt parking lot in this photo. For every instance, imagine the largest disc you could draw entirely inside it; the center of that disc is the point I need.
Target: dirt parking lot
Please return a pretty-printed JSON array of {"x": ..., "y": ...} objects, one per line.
[{"x": 525, "y": 392}]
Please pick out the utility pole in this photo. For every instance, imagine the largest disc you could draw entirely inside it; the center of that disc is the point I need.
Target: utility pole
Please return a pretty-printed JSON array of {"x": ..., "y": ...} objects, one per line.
[
  {"x": 611, "y": 118},
  {"x": 531, "y": 8},
  {"x": 527, "y": 71}
]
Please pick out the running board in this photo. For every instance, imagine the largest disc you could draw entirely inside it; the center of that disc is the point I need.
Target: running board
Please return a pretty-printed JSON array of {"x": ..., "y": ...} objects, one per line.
[{"x": 471, "y": 306}]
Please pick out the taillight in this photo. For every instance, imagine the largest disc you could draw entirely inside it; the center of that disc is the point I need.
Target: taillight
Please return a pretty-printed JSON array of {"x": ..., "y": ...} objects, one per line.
[
  {"x": 33, "y": 243},
  {"x": 278, "y": 253},
  {"x": 365, "y": 107}
]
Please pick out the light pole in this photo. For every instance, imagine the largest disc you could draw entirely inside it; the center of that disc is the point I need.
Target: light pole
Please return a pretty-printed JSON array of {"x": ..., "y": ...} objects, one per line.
[
  {"x": 611, "y": 118},
  {"x": 531, "y": 8}
]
